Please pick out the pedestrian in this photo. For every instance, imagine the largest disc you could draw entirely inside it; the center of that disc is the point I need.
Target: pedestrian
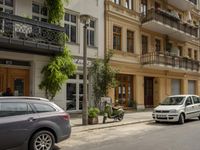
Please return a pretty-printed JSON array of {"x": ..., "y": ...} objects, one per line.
[{"x": 8, "y": 92}]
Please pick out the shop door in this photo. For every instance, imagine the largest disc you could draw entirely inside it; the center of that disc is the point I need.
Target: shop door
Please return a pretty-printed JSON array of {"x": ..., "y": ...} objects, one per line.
[
  {"x": 191, "y": 87},
  {"x": 15, "y": 79},
  {"x": 148, "y": 92},
  {"x": 176, "y": 87}
]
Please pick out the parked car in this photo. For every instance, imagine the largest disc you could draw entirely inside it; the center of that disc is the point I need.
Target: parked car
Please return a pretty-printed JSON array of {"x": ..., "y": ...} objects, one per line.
[
  {"x": 31, "y": 123},
  {"x": 177, "y": 108}
]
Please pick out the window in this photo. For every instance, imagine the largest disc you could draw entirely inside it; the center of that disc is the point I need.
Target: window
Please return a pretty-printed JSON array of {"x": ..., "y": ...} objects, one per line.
[
  {"x": 195, "y": 55},
  {"x": 130, "y": 41},
  {"x": 14, "y": 109},
  {"x": 116, "y": 38},
  {"x": 39, "y": 12},
  {"x": 144, "y": 44},
  {"x": 91, "y": 33},
  {"x": 157, "y": 5},
  {"x": 168, "y": 47},
  {"x": 196, "y": 99},
  {"x": 129, "y": 4},
  {"x": 143, "y": 7},
  {"x": 158, "y": 45},
  {"x": 41, "y": 108},
  {"x": 6, "y": 6},
  {"x": 188, "y": 101},
  {"x": 117, "y": 1},
  {"x": 180, "y": 50},
  {"x": 190, "y": 52},
  {"x": 71, "y": 27}
]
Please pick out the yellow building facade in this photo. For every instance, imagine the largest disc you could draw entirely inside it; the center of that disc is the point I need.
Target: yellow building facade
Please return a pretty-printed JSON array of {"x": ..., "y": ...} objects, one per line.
[{"x": 156, "y": 49}]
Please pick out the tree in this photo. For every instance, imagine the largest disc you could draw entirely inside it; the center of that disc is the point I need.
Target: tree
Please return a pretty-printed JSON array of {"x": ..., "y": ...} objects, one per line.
[
  {"x": 56, "y": 72},
  {"x": 103, "y": 77},
  {"x": 61, "y": 66}
]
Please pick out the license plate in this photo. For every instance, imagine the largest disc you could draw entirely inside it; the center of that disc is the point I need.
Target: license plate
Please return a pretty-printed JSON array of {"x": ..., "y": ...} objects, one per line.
[{"x": 161, "y": 116}]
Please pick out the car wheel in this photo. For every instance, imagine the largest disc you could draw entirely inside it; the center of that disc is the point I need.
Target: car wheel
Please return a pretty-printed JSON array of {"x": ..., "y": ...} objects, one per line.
[
  {"x": 199, "y": 117},
  {"x": 42, "y": 140},
  {"x": 181, "y": 119}
]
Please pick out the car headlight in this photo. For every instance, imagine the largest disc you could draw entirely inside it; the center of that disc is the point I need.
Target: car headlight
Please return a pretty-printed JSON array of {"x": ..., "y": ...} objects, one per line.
[{"x": 173, "y": 111}]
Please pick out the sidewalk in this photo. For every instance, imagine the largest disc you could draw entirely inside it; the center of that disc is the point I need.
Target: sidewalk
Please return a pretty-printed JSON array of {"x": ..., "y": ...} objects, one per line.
[{"x": 129, "y": 118}]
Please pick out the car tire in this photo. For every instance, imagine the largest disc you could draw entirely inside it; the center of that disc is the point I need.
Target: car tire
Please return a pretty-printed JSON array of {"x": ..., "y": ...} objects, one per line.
[
  {"x": 42, "y": 139},
  {"x": 199, "y": 117},
  {"x": 181, "y": 119}
]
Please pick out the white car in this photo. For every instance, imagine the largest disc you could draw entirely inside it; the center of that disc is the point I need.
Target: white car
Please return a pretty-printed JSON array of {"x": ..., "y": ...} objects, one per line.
[{"x": 177, "y": 108}]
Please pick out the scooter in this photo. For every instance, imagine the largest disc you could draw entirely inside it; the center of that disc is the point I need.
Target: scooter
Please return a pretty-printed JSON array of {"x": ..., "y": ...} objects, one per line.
[{"x": 116, "y": 113}]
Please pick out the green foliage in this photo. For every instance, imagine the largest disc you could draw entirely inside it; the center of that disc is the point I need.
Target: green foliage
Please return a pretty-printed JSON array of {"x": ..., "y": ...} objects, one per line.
[
  {"x": 103, "y": 77},
  {"x": 56, "y": 11},
  {"x": 93, "y": 112},
  {"x": 56, "y": 73}
]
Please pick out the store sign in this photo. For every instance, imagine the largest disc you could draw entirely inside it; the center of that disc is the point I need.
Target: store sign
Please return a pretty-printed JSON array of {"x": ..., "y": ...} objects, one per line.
[{"x": 79, "y": 62}]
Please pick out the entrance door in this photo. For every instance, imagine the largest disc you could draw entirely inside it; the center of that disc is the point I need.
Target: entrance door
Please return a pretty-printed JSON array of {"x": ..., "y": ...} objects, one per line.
[
  {"x": 148, "y": 92},
  {"x": 15, "y": 79}
]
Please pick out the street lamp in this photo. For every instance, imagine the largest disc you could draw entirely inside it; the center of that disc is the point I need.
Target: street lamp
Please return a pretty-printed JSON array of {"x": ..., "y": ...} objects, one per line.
[{"x": 85, "y": 19}]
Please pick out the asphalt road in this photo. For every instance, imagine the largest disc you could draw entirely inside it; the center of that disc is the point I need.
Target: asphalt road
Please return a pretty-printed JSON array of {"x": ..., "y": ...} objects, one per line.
[{"x": 144, "y": 136}]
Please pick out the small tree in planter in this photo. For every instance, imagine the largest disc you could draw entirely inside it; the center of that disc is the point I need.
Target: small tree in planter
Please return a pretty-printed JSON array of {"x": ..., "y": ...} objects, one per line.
[{"x": 93, "y": 113}]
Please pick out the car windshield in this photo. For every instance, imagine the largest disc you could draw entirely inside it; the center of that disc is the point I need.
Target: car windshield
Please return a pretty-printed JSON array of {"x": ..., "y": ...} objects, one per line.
[{"x": 173, "y": 101}]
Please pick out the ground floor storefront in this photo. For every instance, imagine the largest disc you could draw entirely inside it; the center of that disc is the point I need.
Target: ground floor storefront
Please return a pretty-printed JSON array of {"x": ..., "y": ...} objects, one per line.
[
  {"x": 145, "y": 87},
  {"x": 21, "y": 73}
]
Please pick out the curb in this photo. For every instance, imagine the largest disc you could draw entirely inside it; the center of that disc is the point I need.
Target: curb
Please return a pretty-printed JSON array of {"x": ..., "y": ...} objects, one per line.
[{"x": 110, "y": 126}]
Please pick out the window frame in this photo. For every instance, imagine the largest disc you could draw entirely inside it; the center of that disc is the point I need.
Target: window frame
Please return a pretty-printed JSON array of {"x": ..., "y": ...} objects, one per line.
[
  {"x": 129, "y": 39},
  {"x": 89, "y": 31},
  {"x": 70, "y": 25},
  {"x": 145, "y": 44},
  {"x": 129, "y": 4},
  {"x": 7, "y": 7},
  {"x": 118, "y": 35},
  {"x": 118, "y": 2},
  {"x": 39, "y": 15},
  {"x": 157, "y": 46}
]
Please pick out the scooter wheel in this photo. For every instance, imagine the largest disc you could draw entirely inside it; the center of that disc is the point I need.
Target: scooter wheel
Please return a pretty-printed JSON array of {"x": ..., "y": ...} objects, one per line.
[{"x": 120, "y": 118}]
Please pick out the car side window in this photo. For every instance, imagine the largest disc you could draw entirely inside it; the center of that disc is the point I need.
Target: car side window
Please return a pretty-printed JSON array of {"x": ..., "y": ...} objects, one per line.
[
  {"x": 14, "y": 109},
  {"x": 41, "y": 108},
  {"x": 188, "y": 101},
  {"x": 196, "y": 100}
]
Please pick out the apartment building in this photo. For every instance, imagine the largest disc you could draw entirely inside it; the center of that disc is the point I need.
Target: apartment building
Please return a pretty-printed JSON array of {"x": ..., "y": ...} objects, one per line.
[
  {"x": 27, "y": 42},
  {"x": 156, "y": 49}
]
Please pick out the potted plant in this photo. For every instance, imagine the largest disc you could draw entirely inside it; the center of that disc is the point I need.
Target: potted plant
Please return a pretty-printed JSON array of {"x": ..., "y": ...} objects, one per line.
[{"x": 93, "y": 113}]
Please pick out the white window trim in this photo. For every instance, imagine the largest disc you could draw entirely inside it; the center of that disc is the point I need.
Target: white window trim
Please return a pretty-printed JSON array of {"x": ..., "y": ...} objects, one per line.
[
  {"x": 72, "y": 24},
  {"x": 92, "y": 29},
  {"x": 129, "y": 5}
]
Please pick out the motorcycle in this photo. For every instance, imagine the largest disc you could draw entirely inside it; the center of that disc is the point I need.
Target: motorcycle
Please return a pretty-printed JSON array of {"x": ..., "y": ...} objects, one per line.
[{"x": 116, "y": 113}]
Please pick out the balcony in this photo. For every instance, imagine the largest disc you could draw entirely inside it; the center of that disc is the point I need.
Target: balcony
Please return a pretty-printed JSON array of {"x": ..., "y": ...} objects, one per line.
[
  {"x": 167, "y": 23},
  {"x": 25, "y": 35},
  {"x": 167, "y": 61},
  {"x": 183, "y": 4}
]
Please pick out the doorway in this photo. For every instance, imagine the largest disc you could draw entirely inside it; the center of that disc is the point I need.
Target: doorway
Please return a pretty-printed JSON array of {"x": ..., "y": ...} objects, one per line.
[
  {"x": 148, "y": 92},
  {"x": 15, "y": 79}
]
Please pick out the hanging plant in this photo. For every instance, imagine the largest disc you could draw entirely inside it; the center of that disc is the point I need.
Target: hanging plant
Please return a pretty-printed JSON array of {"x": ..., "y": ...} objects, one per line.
[
  {"x": 56, "y": 11},
  {"x": 61, "y": 66}
]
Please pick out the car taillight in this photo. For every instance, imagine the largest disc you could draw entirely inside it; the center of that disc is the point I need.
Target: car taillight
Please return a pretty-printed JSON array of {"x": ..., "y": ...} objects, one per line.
[{"x": 66, "y": 117}]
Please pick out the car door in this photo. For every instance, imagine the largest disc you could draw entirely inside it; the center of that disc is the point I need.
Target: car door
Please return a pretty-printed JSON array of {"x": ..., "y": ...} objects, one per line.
[
  {"x": 197, "y": 105},
  {"x": 16, "y": 120},
  {"x": 189, "y": 108}
]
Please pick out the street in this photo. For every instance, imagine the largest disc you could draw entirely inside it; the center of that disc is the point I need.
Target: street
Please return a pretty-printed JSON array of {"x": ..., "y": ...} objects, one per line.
[{"x": 143, "y": 136}]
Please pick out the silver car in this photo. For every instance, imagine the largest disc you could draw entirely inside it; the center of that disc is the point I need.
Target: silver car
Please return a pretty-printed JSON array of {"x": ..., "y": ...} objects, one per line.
[{"x": 29, "y": 123}]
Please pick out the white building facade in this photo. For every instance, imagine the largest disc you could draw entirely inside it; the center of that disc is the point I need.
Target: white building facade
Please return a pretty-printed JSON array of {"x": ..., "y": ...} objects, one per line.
[{"x": 26, "y": 46}]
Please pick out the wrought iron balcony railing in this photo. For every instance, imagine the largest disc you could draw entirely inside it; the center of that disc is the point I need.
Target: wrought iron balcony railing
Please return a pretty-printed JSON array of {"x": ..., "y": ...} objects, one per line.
[
  {"x": 27, "y": 35},
  {"x": 171, "y": 20},
  {"x": 169, "y": 60}
]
